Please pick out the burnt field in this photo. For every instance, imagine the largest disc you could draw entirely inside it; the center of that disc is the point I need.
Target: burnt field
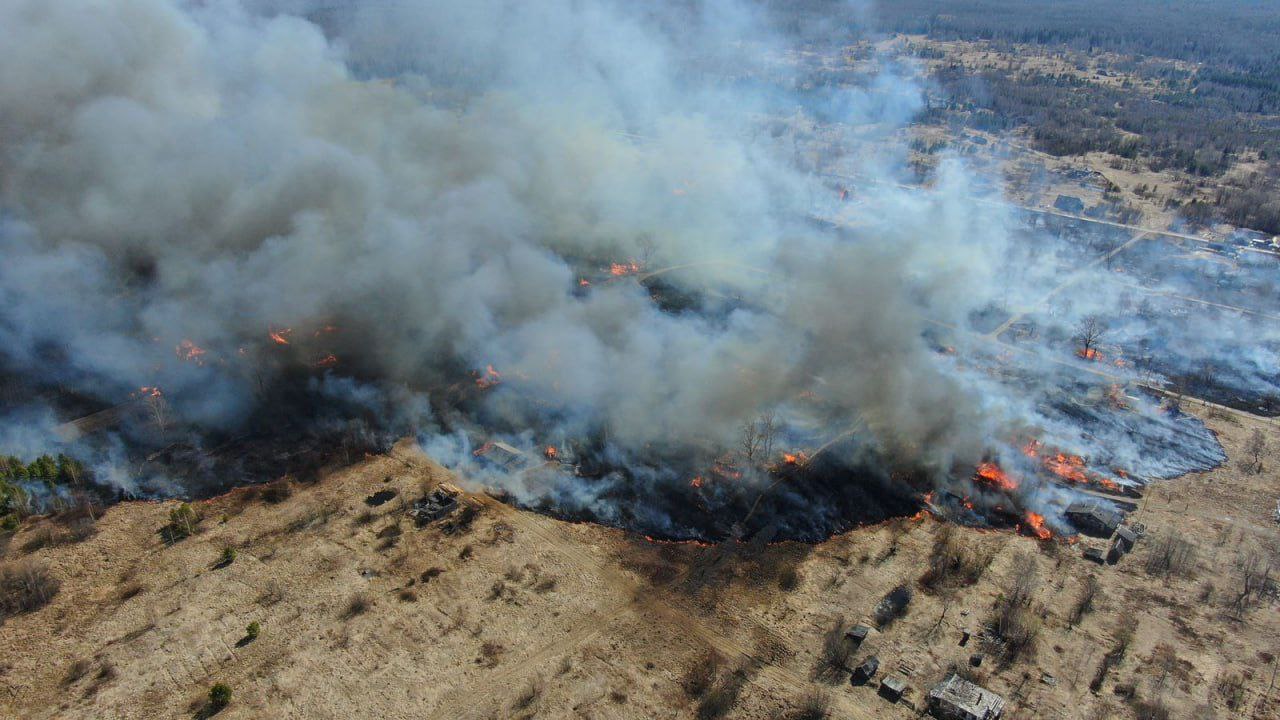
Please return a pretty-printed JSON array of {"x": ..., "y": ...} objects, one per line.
[{"x": 1176, "y": 315}]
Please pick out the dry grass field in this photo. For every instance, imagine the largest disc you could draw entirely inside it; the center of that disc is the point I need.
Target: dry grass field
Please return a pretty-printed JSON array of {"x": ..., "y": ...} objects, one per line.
[{"x": 505, "y": 613}]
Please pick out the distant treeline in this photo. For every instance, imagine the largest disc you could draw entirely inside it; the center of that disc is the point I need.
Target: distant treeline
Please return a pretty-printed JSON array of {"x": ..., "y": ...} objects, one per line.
[
  {"x": 61, "y": 469},
  {"x": 1239, "y": 34},
  {"x": 1201, "y": 122}
]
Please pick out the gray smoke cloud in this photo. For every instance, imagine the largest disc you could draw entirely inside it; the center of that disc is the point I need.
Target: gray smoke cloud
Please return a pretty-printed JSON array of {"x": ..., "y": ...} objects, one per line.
[{"x": 437, "y": 179}]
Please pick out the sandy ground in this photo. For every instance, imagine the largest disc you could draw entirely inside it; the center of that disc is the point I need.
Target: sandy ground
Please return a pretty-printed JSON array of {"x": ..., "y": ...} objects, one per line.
[{"x": 533, "y": 617}]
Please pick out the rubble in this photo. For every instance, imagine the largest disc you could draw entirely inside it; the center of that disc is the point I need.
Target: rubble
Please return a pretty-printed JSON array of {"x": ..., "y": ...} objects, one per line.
[
  {"x": 436, "y": 504},
  {"x": 1094, "y": 519},
  {"x": 958, "y": 699}
]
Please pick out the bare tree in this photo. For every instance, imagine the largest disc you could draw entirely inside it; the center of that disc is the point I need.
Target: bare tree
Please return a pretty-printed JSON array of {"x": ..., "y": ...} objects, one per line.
[
  {"x": 1172, "y": 554},
  {"x": 647, "y": 246},
  {"x": 1255, "y": 580},
  {"x": 1088, "y": 333},
  {"x": 757, "y": 438},
  {"x": 1254, "y": 449},
  {"x": 159, "y": 410}
]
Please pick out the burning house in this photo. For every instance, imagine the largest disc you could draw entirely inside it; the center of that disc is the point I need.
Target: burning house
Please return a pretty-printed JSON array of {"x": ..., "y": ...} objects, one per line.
[{"x": 958, "y": 699}]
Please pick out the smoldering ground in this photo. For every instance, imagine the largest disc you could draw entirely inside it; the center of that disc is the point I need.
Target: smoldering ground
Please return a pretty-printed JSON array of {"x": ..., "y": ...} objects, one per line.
[{"x": 375, "y": 203}]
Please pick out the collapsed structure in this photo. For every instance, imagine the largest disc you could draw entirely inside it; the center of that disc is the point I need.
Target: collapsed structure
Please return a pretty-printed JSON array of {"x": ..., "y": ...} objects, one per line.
[
  {"x": 1092, "y": 518},
  {"x": 958, "y": 699},
  {"x": 436, "y": 504}
]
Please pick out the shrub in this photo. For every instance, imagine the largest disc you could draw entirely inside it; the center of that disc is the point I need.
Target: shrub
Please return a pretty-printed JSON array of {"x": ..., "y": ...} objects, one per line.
[
  {"x": 892, "y": 606},
  {"x": 461, "y": 521},
  {"x": 25, "y": 586},
  {"x": 1016, "y": 621},
  {"x": 491, "y": 653},
  {"x": 1230, "y": 688},
  {"x": 228, "y": 556},
  {"x": 183, "y": 521},
  {"x": 219, "y": 696},
  {"x": 78, "y": 669},
  {"x": 277, "y": 492},
  {"x": 528, "y": 695},
  {"x": 953, "y": 562},
  {"x": 836, "y": 651},
  {"x": 722, "y": 697},
  {"x": 271, "y": 594},
  {"x": 253, "y": 630},
  {"x": 1085, "y": 601},
  {"x": 700, "y": 675},
  {"x": 357, "y": 605},
  {"x": 815, "y": 705},
  {"x": 130, "y": 589},
  {"x": 788, "y": 578},
  {"x": 1171, "y": 555},
  {"x": 1150, "y": 710}
]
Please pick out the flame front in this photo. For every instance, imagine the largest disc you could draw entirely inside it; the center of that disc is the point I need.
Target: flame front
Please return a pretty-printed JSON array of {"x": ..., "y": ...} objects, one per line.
[
  {"x": 279, "y": 337},
  {"x": 630, "y": 267},
  {"x": 190, "y": 352},
  {"x": 1067, "y": 467},
  {"x": 993, "y": 474},
  {"x": 490, "y": 378},
  {"x": 1035, "y": 523}
]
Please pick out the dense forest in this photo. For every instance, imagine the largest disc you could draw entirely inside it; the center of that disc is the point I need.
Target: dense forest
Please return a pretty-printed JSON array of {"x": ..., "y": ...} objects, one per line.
[
  {"x": 1243, "y": 35},
  {"x": 1218, "y": 106}
]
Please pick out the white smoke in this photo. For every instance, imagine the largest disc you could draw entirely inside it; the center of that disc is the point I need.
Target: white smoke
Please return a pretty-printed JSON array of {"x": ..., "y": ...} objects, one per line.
[{"x": 435, "y": 178}]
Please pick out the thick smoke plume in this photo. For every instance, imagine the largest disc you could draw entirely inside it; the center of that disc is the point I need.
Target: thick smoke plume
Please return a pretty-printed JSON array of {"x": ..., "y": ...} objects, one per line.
[{"x": 407, "y": 198}]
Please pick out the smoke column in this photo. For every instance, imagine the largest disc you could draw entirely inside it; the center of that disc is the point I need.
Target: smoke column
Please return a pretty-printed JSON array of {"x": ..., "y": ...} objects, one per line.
[{"x": 435, "y": 179}]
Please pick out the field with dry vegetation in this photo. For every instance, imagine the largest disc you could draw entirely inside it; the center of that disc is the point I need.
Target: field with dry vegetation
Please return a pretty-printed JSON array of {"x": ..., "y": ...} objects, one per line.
[{"x": 326, "y": 600}]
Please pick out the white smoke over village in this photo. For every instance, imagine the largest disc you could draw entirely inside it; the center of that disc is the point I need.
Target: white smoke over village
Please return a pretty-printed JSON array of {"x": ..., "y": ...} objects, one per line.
[{"x": 447, "y": 220}]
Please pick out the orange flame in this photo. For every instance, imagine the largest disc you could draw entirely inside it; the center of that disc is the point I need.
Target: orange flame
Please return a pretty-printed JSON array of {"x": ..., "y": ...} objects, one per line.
[
  {"x": 148, "y": 391},
  {"x": 490, "y": 378},
  {"x": 190, "y": 352},
  {"x": 583, "y": 282},
  {"x": 327, "y": 361},
  {"x": 630, "y": 267},
  {"x": 992, "y": 473},
  {"x": 1068, "y": 467},
  {"x": 279, "y": 337},
  {"x": 795, "y": 458},
  {"x": 483, "y": 449},
  {"x": 1089, "y": 354},
  {"x": 696, "y": 482},
  {"x": 550, "y": 452},
  {"x": 1035, "y": 523}
]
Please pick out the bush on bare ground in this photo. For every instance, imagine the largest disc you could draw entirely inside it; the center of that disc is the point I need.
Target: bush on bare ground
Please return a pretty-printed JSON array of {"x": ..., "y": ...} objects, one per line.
[
  {"x": 700, "y": 675},
  {"x": 1171, "y": 554},
  {"x": 1016, "y": 620},
  {"x": 833, "y": 661},
  {"x": 1085, "y": 600},
  {"x": 25, "y": 585},
  {"x": 892, "y": 606},
  {"x": 954, "y": 562},
  {"x": 722, "y": 697}
]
